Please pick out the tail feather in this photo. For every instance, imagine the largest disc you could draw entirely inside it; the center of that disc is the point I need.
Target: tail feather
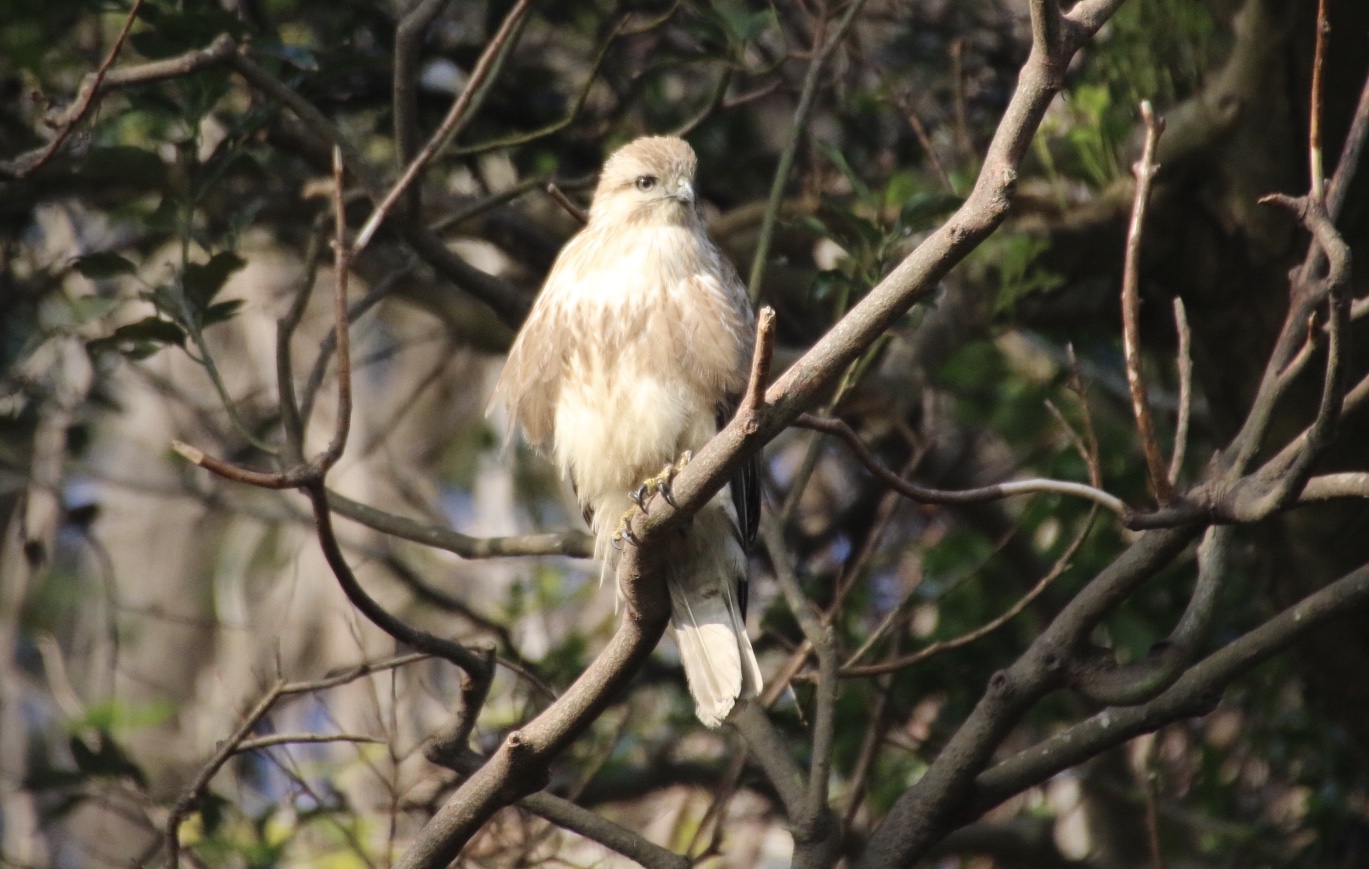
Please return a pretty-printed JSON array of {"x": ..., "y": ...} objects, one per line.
[{"x": 703, "y": 577}]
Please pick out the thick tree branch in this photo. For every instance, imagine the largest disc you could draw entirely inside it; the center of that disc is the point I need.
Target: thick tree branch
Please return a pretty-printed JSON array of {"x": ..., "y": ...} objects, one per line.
[{"x": 1195, "y": 693}]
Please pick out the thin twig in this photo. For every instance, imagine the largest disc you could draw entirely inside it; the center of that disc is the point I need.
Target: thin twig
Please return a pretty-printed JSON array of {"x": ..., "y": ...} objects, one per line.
[
  {"x": 1314, "y": 155},
  {"x": 1144, "y": 170},
  {"x": 1079, "y": 386},
  {"x": 957, "y": 496},
  {"x": 925, "y": 140},
  {"x": 328, "y": 347},
  {"x": 560, "y": 198},
  {"x": 555, "y": 126},
  {"x": 940, "y": 646},
  {"x": 822, "y": 50},
  {"x": 764, "y": 352},
  {"x": 1348, "y": 163},
  {"x": 342, "y": 267},
  {"x": 276, "y": 739},
  {"x": 87, "y": 97},
  {"x": 456, "y": 118},
  {"x": 190, "y": 796},
  {"x": 1184, "y": 357}
]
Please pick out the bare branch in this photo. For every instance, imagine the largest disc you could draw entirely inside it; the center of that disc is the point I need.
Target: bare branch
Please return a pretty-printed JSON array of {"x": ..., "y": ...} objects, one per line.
[
  {"x": 456, "y": 118},
  {"x": 404, "y": 94},
  {"x": 917, "y": 819},
  {"x": 1347, "y": 484},
  {"x": 520, "y": 766},
  {"x": 851, "y": 671},
  {"x": 1350, "y": 153},
  {"x": 275, "y": 739},
  {"x": 561, "y": 199},
  {"x": 423, "y": 641},
  {"x": 1095, "y": 672},
  {"x": 1314, "y": 156},
  {"x": 342, "y": 267},
  {"x": 926, "y": 495},
  {"x": 1195, "y": 693},
  {"x": 1144, "y": 170},
  {"x": 822, "y": 50},
  {"x": 754, "y": 401},
  {"x": 576, "y": 544},
  {"x": 1184, "y": 356},
  {"x": 84, "y": 100}
]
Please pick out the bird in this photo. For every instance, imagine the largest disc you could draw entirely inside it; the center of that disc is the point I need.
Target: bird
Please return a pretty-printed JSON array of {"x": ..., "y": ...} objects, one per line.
[{"x": 634, "y": 354}]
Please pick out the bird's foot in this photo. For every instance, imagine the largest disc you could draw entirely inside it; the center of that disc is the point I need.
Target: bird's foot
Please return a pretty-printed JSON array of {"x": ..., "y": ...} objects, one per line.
[
  {"x": 641, "y": 496},
  {"x": 661, "y": 482},
  {"x": 624, "y": 530}
]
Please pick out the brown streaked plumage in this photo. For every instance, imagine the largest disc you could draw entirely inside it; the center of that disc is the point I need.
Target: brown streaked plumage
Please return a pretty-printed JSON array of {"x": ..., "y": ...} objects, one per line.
[{"x": 633, "y": 354}]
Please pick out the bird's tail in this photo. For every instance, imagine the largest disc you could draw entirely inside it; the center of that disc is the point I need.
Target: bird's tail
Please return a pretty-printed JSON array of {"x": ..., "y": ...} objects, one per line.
[{"x": 704, "y": 570}]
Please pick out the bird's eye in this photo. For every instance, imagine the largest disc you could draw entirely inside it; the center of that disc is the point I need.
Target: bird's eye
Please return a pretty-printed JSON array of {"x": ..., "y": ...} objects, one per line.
[{"x": 646, "y": 182}]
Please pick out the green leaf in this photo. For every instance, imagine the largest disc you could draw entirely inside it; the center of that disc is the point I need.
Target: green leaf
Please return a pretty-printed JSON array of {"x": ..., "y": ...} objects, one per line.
[
  {"x": 220, "y": 312},
  {"x": 107, "y": 759},
  {"x": 926, "y": 205},
  {"x": 122, "y": 164},
  {"x": 104, "y": 265},
  {"x": 838, "y": 159},
  {"x": 828, "y": 284},
  {"x": 740, "y": 25},
  {"x": 202, "y": 281},
  {"x": 141, "y": 339},
  {"x": 86, "y": 309}
]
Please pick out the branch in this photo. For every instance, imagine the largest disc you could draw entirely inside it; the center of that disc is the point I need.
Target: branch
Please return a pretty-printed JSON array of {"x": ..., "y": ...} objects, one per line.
[
  {"x": 470, "y": 661},
  {"x": 1195, "y": 693},
  {"x": 821, "y": 52},
  {"x": 1316, "y": 173},
  {"x": 190, "y": 796},
  {"x": 576, "y": 544},
  {"x": 926, "y": 495},
  {"x": 29, "y": 164},
  {"x": 815, "y": 828},
  {"x": 521, "y": 764},
  {"x": 569, "y": 816},
  {"x": 851, "y": 671},
  {"x": 560, "y": 198},
  {"x": 1096, "y": 674},
  {"x": 1185, "y": 365},
  {"x": 921, "y": 815},
  {"x": 1350, "y": 153},
  {"x": 276, "y": 739},
  {"x": 456, "y": 119},
  {"x": 753, "y": 401},
  {"x": 1144, "y": 170}
]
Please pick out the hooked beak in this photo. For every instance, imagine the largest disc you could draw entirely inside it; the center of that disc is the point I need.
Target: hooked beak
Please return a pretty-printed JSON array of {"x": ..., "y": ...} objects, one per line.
[{"x": 685, "y": 193}]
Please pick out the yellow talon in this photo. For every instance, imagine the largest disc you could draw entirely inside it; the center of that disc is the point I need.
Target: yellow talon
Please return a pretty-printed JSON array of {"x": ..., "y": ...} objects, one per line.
[{"x": 650, "y": 486}]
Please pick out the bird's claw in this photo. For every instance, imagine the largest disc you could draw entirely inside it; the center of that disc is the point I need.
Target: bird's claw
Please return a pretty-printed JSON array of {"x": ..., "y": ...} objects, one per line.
[
  {"x": 642, "y": 494},
  {"x": 624, "y": 531},
  {"x": 639, "y": 497},
  {"x": 662, "y": 481}
]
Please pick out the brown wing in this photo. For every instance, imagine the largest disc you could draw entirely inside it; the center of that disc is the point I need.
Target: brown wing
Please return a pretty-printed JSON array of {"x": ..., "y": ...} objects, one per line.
[{"x": 529, "y": 384}]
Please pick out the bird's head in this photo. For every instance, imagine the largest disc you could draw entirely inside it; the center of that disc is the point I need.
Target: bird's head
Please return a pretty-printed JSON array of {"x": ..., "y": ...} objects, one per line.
[{"x": 648, "y": 181}]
